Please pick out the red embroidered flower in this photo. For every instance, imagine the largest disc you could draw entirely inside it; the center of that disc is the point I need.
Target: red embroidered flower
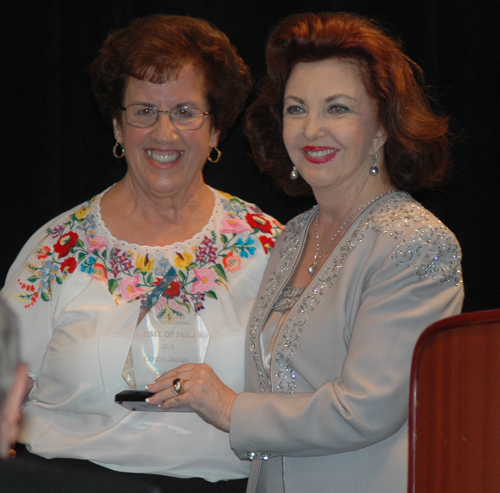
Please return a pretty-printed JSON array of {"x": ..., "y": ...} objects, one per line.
[
  {"x": 100, "y": 272},
  {"x": 173, "y": 290},
  {"x": 65, "y": 243},
  {"x": 267, "y": 242},
  {"x": 232, "y": 262},
  {"x": 43, "y": 253},
  {"x": 259, "y": 222},
  {"x": 69, "y": 265}
]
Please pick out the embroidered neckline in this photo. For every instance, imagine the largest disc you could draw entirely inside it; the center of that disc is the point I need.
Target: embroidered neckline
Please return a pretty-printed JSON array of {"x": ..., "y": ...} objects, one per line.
[
  {"x": 203, "y": 263},
  {"x": 210, "y": 226}
]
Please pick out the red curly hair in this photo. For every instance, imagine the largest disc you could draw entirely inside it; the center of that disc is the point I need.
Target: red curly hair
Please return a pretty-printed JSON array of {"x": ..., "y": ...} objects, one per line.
[
  {"x": 416, "y": 153},
  {"x": 156, "y": 48}
]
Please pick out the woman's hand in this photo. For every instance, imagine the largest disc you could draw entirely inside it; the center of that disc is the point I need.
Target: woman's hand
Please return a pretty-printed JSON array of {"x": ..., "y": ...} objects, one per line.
[{"x": 203, "y": 392}]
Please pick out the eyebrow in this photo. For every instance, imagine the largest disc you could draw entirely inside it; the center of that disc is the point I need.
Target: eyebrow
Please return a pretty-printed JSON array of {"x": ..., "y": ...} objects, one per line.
[
  {"x": 295, "y": 98},
  {"x": 180, "y": 105},
  {"x": 329, "y": 99}
]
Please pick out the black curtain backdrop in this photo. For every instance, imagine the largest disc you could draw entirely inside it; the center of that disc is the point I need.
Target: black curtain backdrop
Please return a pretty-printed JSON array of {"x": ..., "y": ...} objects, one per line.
[{"x": 58, "y": 151}]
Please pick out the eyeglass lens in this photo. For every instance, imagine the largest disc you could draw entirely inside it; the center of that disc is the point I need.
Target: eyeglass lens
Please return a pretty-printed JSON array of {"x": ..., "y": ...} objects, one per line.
[{"x": 186, "y": 117}]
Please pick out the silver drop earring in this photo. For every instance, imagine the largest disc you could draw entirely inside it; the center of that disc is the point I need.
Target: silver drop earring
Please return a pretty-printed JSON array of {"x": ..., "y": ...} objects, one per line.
[
  {"x": 374, "y": 167},
  {"x": 294, "y": 174}
]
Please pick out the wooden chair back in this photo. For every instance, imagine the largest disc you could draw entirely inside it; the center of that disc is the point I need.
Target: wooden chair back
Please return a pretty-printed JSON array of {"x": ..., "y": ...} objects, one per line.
[{"x": 455, "y": 406}]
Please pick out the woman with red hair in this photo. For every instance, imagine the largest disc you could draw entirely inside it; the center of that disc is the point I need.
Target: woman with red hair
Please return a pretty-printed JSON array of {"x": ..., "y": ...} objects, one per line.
[
  {"x": 171, "y": 87},
  {"x": 353, "y": 282}
]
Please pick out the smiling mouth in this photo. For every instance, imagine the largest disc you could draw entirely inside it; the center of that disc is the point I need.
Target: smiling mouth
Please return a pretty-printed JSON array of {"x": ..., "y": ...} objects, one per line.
[
  {"x": 322, "y": 153},
  {"x": 164, "y": 157}
]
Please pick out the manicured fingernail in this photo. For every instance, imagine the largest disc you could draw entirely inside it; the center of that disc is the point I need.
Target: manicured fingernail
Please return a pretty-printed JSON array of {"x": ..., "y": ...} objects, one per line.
[{"x": 147, "y": 400}]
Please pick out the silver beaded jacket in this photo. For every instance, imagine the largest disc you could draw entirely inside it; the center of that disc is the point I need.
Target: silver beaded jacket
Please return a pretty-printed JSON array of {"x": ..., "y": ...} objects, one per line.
[{"x": 329, "y": 411}]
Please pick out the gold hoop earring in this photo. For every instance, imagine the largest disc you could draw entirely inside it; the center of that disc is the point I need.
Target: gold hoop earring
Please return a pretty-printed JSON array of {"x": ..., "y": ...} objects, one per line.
[
  {"x": 209, "y": 155},
  {"x": 115, "y": 149}
]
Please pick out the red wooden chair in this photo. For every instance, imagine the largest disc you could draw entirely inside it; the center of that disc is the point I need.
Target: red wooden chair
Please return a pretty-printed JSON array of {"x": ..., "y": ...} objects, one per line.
[{"x": 455, "y": 406}]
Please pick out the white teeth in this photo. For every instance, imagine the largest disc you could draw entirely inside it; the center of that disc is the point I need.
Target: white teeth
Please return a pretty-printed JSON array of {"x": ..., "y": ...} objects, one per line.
[
  {"x": 163, "y": 157},
  {"x": 325, "y": 152}
]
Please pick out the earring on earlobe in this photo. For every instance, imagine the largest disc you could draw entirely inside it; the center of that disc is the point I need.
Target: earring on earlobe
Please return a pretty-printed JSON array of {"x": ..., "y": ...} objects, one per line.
[
  {"x": 374, "y": 167},
  {"x": 217, "y": 157},
  {"x": 294, "y": 174},
  {"x": 115, "y": 151}
]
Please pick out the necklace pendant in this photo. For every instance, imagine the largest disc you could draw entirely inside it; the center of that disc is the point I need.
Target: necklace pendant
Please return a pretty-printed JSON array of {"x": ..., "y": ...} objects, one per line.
[{"x": 312, "y": 268}]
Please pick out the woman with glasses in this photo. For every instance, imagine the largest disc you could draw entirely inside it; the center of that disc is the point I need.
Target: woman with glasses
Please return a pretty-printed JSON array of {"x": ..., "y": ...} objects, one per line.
[{"x": 171, "y": 87}]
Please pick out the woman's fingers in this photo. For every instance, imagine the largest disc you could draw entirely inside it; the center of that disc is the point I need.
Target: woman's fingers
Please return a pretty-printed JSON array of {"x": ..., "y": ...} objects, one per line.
[{"x": 198, "y": 387}]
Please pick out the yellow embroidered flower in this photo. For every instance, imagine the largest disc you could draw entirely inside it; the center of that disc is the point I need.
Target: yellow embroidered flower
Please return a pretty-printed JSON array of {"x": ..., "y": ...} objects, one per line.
[
  {"x": 145, "y": 264},
  {"x": 183, "y": 261},
  {"x": 81, "y": 213},
  {"x": 168, "y": 313},
  {"x": 227, "y": 195},
  {"x": 22, "y": 297}
]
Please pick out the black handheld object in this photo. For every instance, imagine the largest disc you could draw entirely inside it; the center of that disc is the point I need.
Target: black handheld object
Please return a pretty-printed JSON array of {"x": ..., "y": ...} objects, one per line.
[{"x": 135, "y": 400}]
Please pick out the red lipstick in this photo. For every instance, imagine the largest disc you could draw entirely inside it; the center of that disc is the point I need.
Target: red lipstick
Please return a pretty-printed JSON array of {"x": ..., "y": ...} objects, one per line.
[{"x": 319, "y": 154}]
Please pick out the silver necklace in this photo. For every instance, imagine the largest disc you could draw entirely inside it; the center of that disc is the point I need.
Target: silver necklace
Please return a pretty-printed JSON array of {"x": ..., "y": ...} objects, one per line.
[{"x": 317, "y": 256}]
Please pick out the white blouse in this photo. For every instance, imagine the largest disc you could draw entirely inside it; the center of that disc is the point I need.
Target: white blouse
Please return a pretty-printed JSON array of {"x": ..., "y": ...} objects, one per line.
[{"x": 77, "y": 292}]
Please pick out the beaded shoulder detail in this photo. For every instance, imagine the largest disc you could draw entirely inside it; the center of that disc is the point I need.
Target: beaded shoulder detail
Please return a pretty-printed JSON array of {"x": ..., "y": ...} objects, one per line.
[
  {"x": 421, "y": 242},
  {"x": 431, "y": 249}
]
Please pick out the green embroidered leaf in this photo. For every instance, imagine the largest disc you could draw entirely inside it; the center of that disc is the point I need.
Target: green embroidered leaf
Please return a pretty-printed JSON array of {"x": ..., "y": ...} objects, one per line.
[
  {"x": 112, "y": 285},
  {"x": 149, "y": 279},
  {"x": 187, "y": 306},
  {"x": 137, "y": 270},
  {"x": 223, "y": 238},
  {"x": 220, "y": 271},
  {"x": 105, "y": 254},
  {"x": 182, "y": 275},
  {"x": 81, "y": 256},
  {"x": 45, "y": 296},
  {"x": 59, "y": 280},
  {"x": 33, "y": 279},
  {"x": 211, "y": 294},
  {"x": 80, "y": 243}
]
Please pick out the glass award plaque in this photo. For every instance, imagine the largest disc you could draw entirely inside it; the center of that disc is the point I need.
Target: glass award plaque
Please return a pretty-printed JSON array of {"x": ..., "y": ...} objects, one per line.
[{"x": 164, "y": 338}]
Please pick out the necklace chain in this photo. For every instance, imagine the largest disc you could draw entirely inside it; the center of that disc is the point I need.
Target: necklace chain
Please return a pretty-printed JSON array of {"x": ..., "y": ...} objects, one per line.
[{"x": 317, "y": 256}]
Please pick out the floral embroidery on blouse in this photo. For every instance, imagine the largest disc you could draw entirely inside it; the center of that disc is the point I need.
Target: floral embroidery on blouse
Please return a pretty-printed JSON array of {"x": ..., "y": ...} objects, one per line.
[{"x": 130, "y": 274}]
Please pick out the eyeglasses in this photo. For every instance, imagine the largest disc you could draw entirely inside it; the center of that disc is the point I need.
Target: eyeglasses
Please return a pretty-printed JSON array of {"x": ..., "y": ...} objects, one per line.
[{"x": 183, "y": 118}]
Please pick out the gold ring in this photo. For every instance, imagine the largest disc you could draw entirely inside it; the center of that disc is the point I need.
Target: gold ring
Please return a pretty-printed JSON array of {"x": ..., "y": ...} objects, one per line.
[{"x": 179, "y": 386}]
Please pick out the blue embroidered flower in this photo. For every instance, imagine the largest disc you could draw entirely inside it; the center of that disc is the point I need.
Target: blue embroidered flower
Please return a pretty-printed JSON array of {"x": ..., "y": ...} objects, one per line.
[{"x": 88, "y": 265}]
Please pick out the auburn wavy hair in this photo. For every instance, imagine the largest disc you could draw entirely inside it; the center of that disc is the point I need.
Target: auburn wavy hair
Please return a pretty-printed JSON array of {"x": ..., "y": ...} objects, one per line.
[
  {"x": 416, "y": 153},
  {"x": 156, "y": 48}
]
